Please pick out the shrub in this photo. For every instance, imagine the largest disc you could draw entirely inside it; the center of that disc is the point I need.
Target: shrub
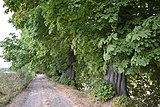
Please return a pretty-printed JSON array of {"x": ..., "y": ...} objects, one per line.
[
  {"x": 66, "y": 81},
  {"x": 26, "y": 78},
  {"x": 123, "y": 101},
  {"x": 102, "y": 90},
  {"x": 55, "y": 78}
]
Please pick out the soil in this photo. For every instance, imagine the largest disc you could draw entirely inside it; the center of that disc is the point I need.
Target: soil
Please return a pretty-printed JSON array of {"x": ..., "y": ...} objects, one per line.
[{"x": 44, "y": 93}]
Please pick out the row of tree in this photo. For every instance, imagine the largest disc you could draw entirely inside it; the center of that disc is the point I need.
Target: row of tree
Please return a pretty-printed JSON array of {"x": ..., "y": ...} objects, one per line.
[{"x": 84, "y": 40}]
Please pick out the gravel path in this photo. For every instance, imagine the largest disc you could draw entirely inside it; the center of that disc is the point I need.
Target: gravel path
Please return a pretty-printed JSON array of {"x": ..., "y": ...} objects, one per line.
[{"x": 40, "y": 93}]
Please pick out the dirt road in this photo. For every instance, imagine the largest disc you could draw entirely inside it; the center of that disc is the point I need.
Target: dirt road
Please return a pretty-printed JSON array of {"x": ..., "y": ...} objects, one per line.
[{"x": 40, "y": 93}]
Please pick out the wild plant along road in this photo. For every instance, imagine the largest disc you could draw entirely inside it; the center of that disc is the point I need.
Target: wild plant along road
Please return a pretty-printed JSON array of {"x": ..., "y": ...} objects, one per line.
[{"x": 40, "y": 93}]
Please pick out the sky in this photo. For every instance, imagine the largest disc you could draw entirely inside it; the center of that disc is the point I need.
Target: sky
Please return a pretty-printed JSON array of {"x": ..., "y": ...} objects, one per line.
[{"x": 5, "y": 29}]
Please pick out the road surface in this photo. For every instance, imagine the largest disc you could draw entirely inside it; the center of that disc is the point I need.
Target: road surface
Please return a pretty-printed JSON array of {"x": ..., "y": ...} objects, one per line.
[{"x": 40, "y": 93}]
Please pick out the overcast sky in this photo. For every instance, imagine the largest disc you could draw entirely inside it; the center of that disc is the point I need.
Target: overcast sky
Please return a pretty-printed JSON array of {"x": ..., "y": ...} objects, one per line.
[{"x": 5, "y": 29}]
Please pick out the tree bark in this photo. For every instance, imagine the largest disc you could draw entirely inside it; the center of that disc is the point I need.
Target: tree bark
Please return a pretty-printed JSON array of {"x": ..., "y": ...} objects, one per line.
[
  {"x": 119, "y": 81},
  {"x": 71, "y": 60}
]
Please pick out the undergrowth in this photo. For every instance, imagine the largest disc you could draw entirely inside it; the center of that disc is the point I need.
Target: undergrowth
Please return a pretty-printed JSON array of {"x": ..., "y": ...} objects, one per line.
[
  {"x": 101, "y": 90},
  {"x": 123, "y": 101}
]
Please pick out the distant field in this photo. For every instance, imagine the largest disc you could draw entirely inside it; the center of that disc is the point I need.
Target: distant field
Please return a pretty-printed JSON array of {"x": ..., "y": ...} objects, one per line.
[
  {"x": 4, "y": 70},
  {"x": 10, "y": 85}
]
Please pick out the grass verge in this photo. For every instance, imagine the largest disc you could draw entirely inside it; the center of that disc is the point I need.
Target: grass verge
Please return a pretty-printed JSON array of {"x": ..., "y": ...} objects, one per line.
[{"x": 10, "y": 85}]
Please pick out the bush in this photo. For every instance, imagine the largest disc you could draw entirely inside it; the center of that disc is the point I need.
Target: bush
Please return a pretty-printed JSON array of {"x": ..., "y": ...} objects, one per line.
[
  {"x": 26, "y": 78},
  {"x": 55, "y": 78},
  {"x": 102, "y": 91},
  {"x": 66, "y": 81},
  {"x": 123, "y": 101}
]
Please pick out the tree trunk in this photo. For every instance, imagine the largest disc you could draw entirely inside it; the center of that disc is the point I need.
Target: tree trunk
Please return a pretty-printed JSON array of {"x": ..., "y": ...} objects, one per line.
[
  {"x": 119, "y": 81},
  {"x": 71, "y": 60}
]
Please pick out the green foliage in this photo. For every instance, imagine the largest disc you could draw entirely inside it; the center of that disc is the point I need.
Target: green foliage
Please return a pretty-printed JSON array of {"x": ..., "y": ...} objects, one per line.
[
  {"x": 124, "y": 101},
  {"x": 26, "y": 76},
  {"x": 66, "y": 81},
  {"x": 101, "y": 90},
  {"x": 59, "y": 76},
  {"x": 55, "y": 78},
  {"x": 18, "y": 51}
]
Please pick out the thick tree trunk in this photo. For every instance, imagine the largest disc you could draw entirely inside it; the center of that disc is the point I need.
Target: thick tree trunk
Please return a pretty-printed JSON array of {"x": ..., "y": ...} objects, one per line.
[
  {"x": 71, "y": 60},
  {"x": 70, "y": 72},
  {"x": 119, "y": 81}
]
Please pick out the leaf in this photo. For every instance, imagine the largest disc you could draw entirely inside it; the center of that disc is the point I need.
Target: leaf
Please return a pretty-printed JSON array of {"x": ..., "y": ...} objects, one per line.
[
  {"x": 125, "y": 63},
  {"x": 110, "y": 48},
  {"x": 120, "y": 69},
  {"x": 58, "y": 24},
  {"x": 114, "y": 36},
  {"x": 130, "y": 71},
  {"x": 100, "y": 44},
  {"x": 104, "y": 67},
  {"x": 135, "y": 37},
  {"x": 106, "y": 57},
  {"x": 44, "y": 5},
  {"x": 142, "y": 61},
  {"x": 128, "y": 37}
]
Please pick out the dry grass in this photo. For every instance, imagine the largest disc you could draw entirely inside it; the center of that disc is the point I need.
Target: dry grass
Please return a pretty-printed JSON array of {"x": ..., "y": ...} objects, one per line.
[{"x": 10, "y": 85}]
